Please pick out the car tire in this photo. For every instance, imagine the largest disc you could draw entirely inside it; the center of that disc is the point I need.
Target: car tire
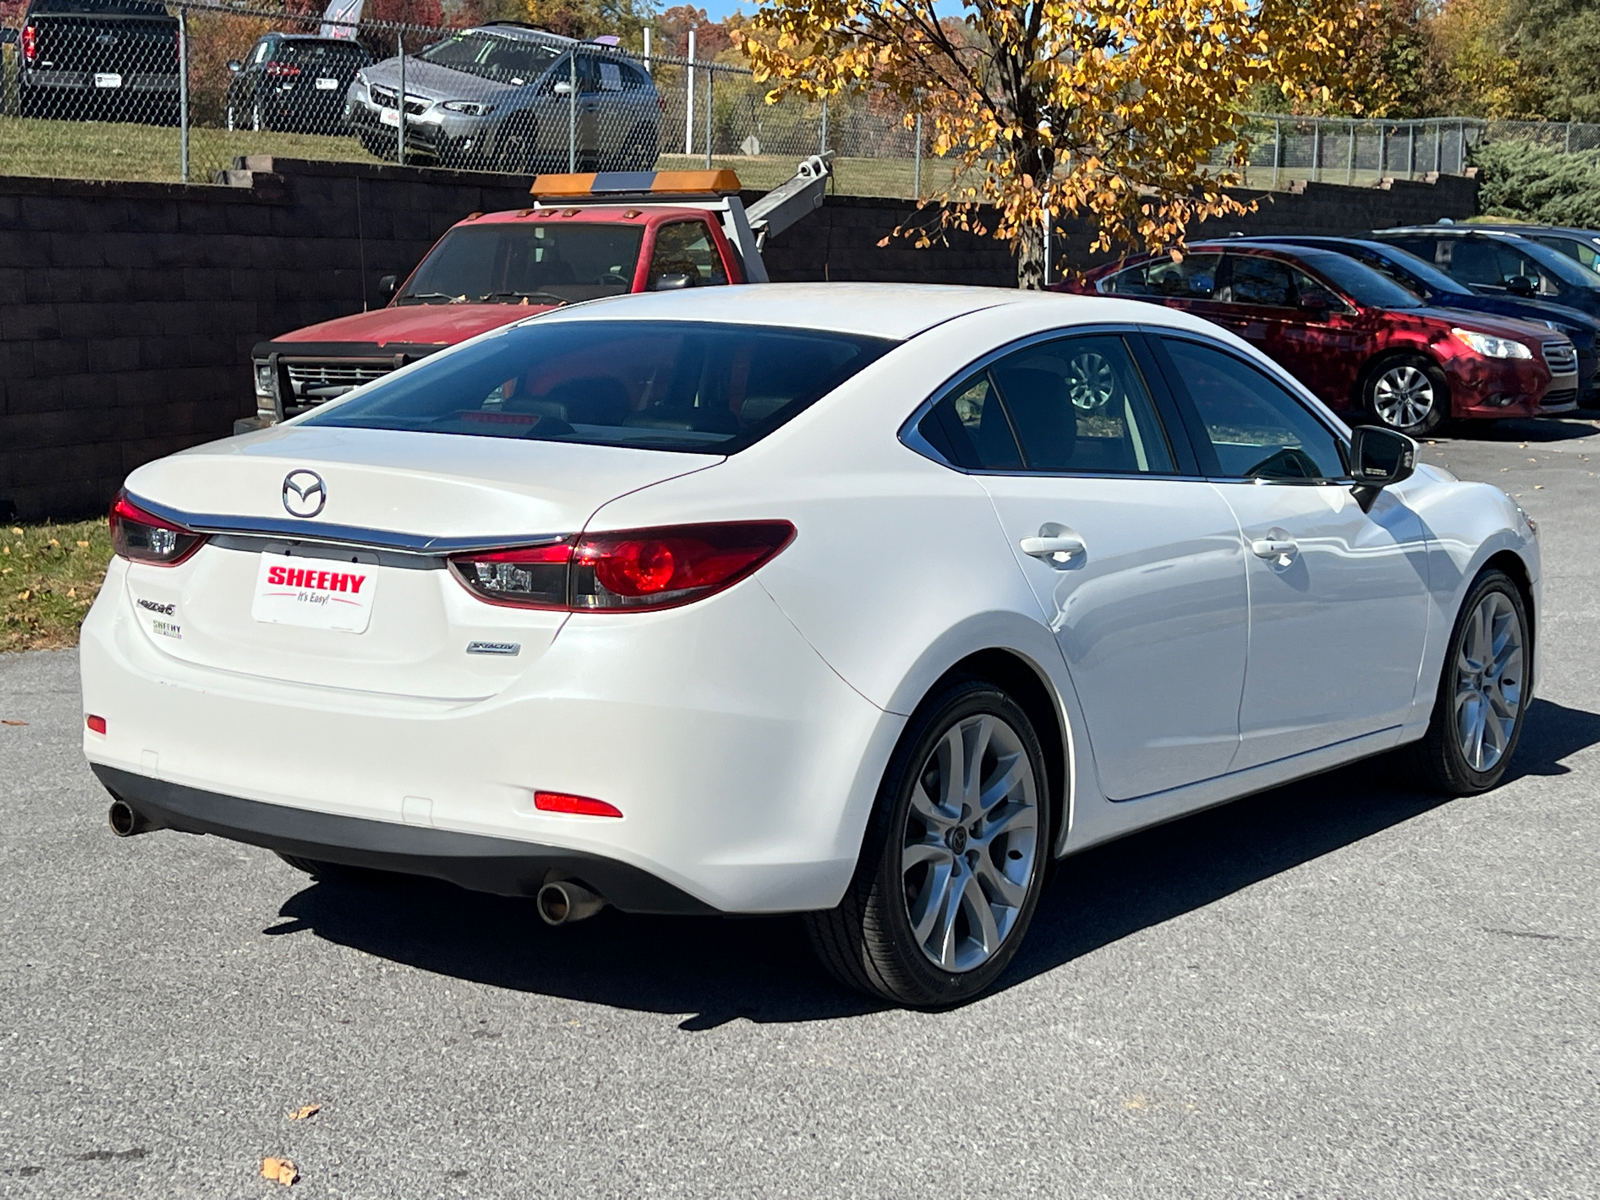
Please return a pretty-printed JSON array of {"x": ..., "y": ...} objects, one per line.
[
  {"x": 34, "y": 106},
  {"x": 638, "y": 153},
  {"x": 946, "y": 885},
  {"x": 1408, "y": 393},
  {"x": 377, "y": 145},
  {"x": 514, "y": 145},
  {"x": 1483, "y": 693}
]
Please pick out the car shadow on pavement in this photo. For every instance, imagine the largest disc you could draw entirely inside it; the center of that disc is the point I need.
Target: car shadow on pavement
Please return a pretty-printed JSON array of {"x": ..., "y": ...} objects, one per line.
[
  {"x": 1530, "y": 429},
  {"x": 760, "y": 969}
]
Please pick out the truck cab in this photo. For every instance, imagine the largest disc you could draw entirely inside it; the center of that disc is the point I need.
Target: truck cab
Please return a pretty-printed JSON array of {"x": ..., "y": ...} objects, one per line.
[{"x": 585, "y": 237}]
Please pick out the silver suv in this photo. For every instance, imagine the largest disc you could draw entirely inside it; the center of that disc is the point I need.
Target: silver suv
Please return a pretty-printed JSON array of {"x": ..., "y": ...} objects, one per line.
[{"x": 508, "y": 98}]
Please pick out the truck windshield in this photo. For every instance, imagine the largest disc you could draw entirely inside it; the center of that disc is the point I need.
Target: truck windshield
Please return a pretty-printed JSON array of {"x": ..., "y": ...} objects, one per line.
[
  {"x": 541, "y": 263},
  {"x": 490, "y": 56},
  {"x": 693, "y": 386}
]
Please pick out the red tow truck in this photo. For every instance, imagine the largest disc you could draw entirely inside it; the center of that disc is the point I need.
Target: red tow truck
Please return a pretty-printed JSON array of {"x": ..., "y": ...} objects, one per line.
[{"x": 585, "y": 236}]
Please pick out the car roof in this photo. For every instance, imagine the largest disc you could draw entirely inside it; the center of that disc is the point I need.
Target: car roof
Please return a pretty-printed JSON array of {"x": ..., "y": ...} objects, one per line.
[
  {"x": 1534, "y": 230},
  {"x": 896, "y": 311},
  {"x": 315, "y": 37}
]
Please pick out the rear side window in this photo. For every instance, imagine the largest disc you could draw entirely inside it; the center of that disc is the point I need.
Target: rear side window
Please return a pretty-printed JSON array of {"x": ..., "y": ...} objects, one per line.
[
  {"x": 668, "y": 385},
  {"x": 1253, "y": 280},
  {"x": 1194, "y": 278},
  {"x": 1074, "y": 405}
]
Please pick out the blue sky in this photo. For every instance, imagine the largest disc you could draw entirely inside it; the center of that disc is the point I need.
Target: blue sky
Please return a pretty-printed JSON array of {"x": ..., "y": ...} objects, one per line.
[{"x": 717, "y": 9}]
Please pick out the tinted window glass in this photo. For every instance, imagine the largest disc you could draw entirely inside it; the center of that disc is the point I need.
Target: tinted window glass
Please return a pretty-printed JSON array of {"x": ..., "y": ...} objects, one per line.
[
  {"x": 337, "y": 57},
  {"x": 1080, "y": 404},
  {"x": 1257, "y": 281},
  {"x": 685, "y": 250},
  {"x": 1194, "y": 278},
  {"x": 669, "y": 385},
  {"x": 969, "y": 427},
  {"x": 1585, "y": 253},
  {"x": 1410, "y": 272},
  {"x": 1256, "y": 427},
  {"x": 541, "y": 262}
]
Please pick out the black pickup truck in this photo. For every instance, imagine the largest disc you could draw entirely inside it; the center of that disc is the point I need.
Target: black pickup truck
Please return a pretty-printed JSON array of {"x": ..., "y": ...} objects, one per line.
[{"x": 98, "y": 60}]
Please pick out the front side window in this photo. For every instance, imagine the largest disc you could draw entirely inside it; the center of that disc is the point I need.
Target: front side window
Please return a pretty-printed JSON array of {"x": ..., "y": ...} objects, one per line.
[
  {"x": 1192, "y": 278},
  {"x": 1256, "y": 281},
  {"x": 1074, "y": 405},
  {"x": 689, "y": 386},
  {"x": 534, "y": 262},
  {"x": 685, "y": 256},
  {"x": 1256, "y": 427}
]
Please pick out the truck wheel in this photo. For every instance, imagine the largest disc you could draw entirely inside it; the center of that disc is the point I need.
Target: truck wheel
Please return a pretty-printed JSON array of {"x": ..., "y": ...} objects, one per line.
[
  {"x": 1407, "y": 392},
  {"x": 954, "y": 857},
  {"x": 34, "y": 106},
  {"x": 1483, "y": 693}
]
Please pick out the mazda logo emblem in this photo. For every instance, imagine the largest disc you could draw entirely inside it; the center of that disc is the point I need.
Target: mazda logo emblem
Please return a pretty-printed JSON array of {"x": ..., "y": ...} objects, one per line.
[{"x": 304, "y": 493}]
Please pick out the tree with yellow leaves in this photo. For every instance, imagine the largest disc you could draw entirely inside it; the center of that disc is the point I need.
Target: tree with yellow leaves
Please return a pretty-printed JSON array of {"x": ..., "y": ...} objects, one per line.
[{"x": 1110, "y": 108}]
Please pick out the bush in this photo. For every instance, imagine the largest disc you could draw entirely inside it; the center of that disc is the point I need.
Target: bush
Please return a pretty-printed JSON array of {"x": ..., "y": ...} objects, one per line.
[{"x": 1536, "y": 183}]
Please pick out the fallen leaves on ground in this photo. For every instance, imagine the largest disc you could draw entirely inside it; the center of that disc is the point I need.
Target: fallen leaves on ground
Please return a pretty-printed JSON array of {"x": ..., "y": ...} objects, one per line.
[
  {"x": 51, "y": 575},
  {"x": 279, "y": 1170},
  {"x": 13, "y": 722},
  {"x": 305, "y": 1112}
]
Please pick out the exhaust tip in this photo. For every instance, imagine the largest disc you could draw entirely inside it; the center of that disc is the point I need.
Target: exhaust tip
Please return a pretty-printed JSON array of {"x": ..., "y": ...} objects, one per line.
[
  {"x": 126, "y": 821},
  {"x": 565, "y": 901}
]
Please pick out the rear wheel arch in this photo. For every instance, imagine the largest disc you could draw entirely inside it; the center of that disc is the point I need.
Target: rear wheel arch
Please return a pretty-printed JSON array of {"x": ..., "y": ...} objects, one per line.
[{"x": 1027, "y": 685}]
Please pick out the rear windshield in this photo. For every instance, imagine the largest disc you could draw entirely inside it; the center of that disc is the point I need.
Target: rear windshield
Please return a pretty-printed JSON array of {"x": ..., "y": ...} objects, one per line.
[
  {"x": 505, "y": 60},
  {"x": 340, "y": 56},
  {"x": 666, "y": 385},
  {"x": 540, "y": 263}
]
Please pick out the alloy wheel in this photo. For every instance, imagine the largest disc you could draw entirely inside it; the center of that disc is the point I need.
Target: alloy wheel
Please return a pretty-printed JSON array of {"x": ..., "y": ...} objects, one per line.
[
  {"x": 1489, "y": 676},
  {"x": 970, "y": 845},
  {"x": 1403, "y": 396}
]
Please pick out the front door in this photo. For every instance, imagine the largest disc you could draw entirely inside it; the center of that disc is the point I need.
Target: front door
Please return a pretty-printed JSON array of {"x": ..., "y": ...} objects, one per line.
[
  {"x": 1338, "y": 596},
  {"x": 1138, "y": 571}
]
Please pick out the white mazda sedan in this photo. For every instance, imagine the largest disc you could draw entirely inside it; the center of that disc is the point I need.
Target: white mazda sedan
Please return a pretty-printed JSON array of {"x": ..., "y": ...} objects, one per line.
[{"x": 863, "y": 602}]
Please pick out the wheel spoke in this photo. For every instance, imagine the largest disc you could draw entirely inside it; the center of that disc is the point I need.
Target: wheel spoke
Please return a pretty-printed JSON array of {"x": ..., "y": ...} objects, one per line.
[
  {"x": 1000, "y": 887},
  {"x": 928, "y": 809},
  {"x": 1013, "y": 769},
  {"x": 929, "y": 904},
  {"x": 949, "y": 911},
  {"x": 925, "y": 852},
  {"x": 980, "y": 917}
]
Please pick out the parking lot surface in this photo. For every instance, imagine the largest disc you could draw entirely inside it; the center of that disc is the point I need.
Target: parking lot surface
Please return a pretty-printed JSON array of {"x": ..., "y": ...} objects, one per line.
[{"x": 1335, "y": 989}]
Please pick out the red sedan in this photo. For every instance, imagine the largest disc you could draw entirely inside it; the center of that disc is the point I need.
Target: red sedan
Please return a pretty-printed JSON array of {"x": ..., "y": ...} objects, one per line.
[{"x": 1355, "y": 338}]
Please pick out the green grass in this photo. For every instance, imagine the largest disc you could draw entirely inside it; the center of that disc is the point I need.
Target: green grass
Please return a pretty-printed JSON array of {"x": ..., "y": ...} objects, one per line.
[{"x": 49, "y": 575}]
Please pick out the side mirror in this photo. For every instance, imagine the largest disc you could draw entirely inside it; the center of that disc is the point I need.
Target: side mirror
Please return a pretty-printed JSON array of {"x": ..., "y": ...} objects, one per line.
[
  {"x": 235, "y": 65},
  {"x": 387, "y": 286},
  {"x": 563, "y": 87},
  {"x": 1521, "y": 285},
  {"x": 674, "y": 282},
  {"x": 1379, "y": 457}
]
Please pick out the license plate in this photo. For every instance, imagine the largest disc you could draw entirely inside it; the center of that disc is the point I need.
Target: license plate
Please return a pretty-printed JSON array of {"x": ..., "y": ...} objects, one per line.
[
  {"x": 314, "y": 592},
  {"x": 327, "y": 85},
  {"x": 389, "y": 117},
  {"x": 108, "y": 81}
]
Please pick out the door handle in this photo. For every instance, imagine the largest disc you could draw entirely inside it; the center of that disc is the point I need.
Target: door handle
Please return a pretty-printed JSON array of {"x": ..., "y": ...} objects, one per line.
[
  {"x": 1279, "y": 548},
  {"x": 1057, "y": 549}
]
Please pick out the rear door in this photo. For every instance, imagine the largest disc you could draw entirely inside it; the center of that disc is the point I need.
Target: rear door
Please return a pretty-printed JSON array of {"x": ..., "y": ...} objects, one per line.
[
  {"x": 1338, "y": 596},
  {"x": 1136, "y": 562}
]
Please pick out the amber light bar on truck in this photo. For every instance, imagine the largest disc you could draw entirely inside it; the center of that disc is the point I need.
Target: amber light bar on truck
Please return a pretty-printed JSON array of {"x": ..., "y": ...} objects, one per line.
[{"x": 633, "y": 183}]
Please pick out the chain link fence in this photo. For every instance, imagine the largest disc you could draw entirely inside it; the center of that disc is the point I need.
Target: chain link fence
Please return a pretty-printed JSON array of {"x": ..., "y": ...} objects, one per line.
[{"x": 138, "y": 89}]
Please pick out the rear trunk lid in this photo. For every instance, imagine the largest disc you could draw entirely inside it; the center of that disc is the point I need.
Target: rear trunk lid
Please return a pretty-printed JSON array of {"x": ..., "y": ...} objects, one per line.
[{"x": 393, "y": 505}]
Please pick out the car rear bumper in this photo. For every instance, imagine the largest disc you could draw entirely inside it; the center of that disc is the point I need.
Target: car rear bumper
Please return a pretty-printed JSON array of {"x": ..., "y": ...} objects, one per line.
[
  {"x": 744, "y": 767},
  {"x": 502, "y": 866}
]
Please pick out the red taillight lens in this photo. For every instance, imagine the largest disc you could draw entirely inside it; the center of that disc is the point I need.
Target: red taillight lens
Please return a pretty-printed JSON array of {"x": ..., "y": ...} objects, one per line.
[
  {"x": 145, "y": 538},
  {"x": 30, "y": 45},
  {"x": 560, "y": 802},
  {"x": 657, "y": 568},
  {"x": 636, "y": 568},
  {"x": 282, "y": 70},
  {"x": 531, "y": 577},
  {"x": 95, "y": 724}
]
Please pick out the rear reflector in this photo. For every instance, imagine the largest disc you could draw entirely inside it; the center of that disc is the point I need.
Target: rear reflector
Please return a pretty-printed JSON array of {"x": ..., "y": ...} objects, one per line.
[
  {"x": 560, "y": 802},
  {"x": 95, "y": 724},
  {"x": 630, "y": 569},
  {"x": 145, "y": 538}
]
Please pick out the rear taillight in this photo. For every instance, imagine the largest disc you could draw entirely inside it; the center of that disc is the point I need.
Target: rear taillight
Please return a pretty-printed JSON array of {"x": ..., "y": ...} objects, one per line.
[
  {"x": 30, "y": 45},
  {"x": 278, "y": 70},
  {"x": 144, "y": 537},
  {"x": 633, "y": 569}
]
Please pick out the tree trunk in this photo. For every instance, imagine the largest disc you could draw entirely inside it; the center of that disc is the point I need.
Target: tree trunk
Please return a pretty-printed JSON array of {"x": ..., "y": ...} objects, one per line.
[{"x": 1030, "y": 257}]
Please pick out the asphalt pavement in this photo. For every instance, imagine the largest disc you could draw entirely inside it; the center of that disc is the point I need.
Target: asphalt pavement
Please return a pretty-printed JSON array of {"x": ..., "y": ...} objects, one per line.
[{"x": 1336, "y": 989}]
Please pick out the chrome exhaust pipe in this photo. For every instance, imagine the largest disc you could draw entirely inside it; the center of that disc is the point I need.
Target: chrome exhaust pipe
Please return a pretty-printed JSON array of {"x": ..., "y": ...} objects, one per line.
[
  {"x": 564, "y": 901},
  {"x": 127, "y": 821}
]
